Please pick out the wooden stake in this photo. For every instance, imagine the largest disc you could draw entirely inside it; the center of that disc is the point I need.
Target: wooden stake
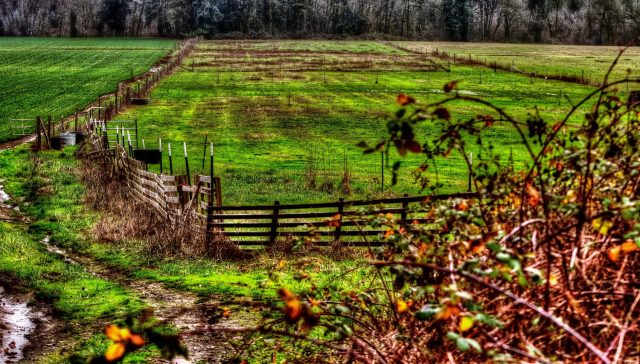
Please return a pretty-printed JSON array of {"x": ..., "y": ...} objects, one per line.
[{"x": 186, "y": 162}]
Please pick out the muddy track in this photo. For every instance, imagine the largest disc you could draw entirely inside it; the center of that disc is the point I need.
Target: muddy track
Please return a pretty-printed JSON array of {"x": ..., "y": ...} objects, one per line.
[
  {"x": 17, "y": 142},
  {"x": 204, "y": 332}
]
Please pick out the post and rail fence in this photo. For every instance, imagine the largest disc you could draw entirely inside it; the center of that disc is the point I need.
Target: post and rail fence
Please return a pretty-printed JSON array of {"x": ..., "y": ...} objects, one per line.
[{"x": 341, "y": 222}]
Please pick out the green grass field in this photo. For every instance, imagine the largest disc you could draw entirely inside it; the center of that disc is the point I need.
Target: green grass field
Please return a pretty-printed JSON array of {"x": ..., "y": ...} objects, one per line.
[
  {"x": 269, "y": 106},
  {"x": 590, "y": 61},
  {"x": 56, "y": 76}
]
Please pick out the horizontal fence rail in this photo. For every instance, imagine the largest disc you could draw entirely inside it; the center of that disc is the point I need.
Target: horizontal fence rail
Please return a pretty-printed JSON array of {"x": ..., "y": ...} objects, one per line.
[{"x": 328, "y": 223}]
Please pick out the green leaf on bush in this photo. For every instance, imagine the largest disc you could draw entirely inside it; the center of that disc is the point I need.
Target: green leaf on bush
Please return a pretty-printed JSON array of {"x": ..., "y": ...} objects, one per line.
[
  {"x": 462, "y": 344},
  {"x": 494, "y": 247},
  {"x": 489, "y": 320},
  {"x": 427, "y": 311}
]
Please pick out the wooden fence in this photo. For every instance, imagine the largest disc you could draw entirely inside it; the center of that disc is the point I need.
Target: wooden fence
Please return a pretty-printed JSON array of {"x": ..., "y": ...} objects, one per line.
[
  {"x": 168, "y": 196},
  {"x": 174, "y": 198},
  {"x": 327, "y": 223}
]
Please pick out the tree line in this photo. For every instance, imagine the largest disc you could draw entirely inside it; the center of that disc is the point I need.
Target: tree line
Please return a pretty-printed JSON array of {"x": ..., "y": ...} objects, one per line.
[{"x": 558, "y": 21}]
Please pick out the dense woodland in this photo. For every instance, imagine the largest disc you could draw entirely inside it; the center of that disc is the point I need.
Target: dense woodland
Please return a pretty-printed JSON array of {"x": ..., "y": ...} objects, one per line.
[{"x": 557, "y": 21}]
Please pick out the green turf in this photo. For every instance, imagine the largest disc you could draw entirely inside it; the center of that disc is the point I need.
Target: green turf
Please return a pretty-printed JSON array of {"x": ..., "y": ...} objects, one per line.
[
  {"x": 267, "y": 119},
  {"x": 57, "y": 76}
]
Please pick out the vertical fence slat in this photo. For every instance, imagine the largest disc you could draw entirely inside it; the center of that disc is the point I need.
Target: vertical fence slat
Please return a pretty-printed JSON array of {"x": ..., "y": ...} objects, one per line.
[
  {"x": 339, "y": 222},
  {"x": 274, "y": 223}
]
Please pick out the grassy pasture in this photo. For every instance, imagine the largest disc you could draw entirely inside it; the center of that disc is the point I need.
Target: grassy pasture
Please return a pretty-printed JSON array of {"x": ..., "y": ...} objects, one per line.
[
  {"x": 269, "y": 106},
  {"x": 592, "y": 61},
  {"x": 56, "y": 76}
]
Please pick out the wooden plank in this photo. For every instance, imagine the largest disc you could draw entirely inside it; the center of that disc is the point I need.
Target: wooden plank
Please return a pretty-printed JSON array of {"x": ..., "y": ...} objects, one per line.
[
  {"x": 398, "y": 200},
  {"x": 301, "y": 233},
  {"x": 246, "y": 225},
  {"x": 246, "y": 243},
  {"x": 302, "y": 215}
]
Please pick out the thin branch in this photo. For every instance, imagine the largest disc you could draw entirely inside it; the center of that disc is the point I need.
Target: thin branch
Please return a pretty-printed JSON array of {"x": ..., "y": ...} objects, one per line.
[{"x": 517, "y": 299}]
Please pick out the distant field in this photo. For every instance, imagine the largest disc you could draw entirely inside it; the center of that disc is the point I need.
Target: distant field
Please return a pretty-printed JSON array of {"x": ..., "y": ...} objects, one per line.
[
  {"x": 590, "y": 61},
  {"x": 56, "y": 76},
  {"x": 270, "y": 106}
]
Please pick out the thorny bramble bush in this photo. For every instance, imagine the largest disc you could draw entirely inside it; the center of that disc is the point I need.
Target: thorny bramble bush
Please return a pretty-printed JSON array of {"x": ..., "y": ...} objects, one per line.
[{"x": 541, "y": 265}]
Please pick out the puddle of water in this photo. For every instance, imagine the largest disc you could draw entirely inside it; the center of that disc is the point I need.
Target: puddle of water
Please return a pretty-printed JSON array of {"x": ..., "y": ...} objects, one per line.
[
  {"x": 15, "y": 325},
  {"x": 55, "y": 250},
  {"x": 4, "y": 197}
]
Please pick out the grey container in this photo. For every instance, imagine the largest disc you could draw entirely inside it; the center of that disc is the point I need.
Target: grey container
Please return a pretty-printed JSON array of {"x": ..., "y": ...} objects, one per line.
[{"x": 68, "y": 139}]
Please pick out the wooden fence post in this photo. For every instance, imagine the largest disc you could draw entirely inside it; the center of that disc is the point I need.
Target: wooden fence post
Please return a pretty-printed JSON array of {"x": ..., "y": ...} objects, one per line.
[
  {"x": 274, "y": 223},
  {"x": 209, "y": 232},
  {"x": 470, "y": 170},
  {"x": 339, "y": 222},
  {"x": 218, "y": 187},
  {"x": 49, "y": 127},
  {"x": 38, "y": 135},
  {"x": 405, "y": 205}
]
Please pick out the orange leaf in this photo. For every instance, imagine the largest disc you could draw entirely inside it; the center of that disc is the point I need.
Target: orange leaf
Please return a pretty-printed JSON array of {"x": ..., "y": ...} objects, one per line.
[
  {"x": 113, "y": 332},
  {"x": 226, "y": 312},
  {"x": 404, "y": 100},
  {"x": 614, "y": 253},
  {"x": 115, "y": 352},
  {"x": 137, "y": 340},
  {"x": 476, "y": 246},
  {"x": 629, "y": 246},
  {"x": 534, "y": 195},
  {"x": 292, "y": 305},
  {"x": 463, "y": 206},
  {"x": 401, "y": 306}
]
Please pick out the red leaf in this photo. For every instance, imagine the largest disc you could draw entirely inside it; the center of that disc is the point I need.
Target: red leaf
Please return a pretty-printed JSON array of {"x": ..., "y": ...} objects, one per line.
[
  {"x": 413, "y": 146},
  {"x": 450, "y": 86},
  {"x": 442, "y": 113}
]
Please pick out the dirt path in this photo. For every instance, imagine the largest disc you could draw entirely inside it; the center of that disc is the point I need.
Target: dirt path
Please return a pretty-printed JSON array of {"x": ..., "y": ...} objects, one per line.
[
  {"x": 17, "y": 142},
  {"x": 204, "y": 332}
]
